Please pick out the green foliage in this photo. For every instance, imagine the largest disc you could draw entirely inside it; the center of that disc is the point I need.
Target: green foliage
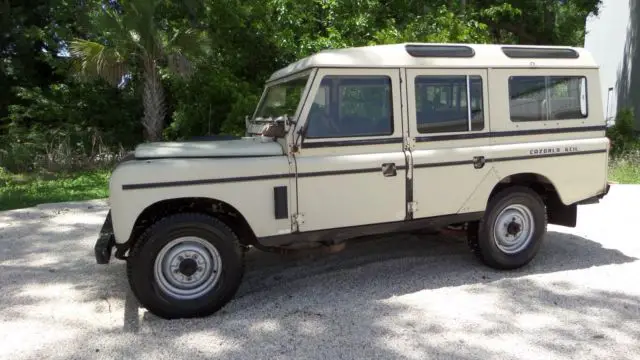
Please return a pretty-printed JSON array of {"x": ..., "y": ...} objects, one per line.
[
  {"x": 621, "y": 134},
  {"x": 205, "y": 103},
  {"x": 232, "y": 47},
  {"x": 24, "y": 191},
  {"x": 244, "y": 105},
  {"x": 33, "y": 33},
  {"x": 49, "y": 120},
  {"x": 439, "y": 26},
  {"x": 624, "y": 167},
  {"x": 625, "y": 170},
  {"x": 67, "y": 126},
  {"x": 136, "y": 41},
  {"x": 536, "y": 21}
]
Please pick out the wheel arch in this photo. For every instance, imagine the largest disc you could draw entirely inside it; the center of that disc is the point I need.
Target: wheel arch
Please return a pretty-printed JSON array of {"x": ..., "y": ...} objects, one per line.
[
  {"x": 219, "y": 209},
  {"x": 537, "y": 182},
  {"x": 557, "y": 211}
]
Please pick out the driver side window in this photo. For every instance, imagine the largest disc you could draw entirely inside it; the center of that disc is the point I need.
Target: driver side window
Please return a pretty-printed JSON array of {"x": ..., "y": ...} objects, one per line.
[{"x": 351, "y": 106}]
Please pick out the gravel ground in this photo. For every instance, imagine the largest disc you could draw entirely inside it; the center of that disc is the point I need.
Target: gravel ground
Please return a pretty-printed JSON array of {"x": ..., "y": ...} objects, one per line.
[{"x": 410, "y": 296}]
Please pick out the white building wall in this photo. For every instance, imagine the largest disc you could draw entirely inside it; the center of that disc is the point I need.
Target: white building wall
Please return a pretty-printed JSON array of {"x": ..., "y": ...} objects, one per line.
[
  {"x": 606, "y": 38},
  {"x": 613, "y": 39}
]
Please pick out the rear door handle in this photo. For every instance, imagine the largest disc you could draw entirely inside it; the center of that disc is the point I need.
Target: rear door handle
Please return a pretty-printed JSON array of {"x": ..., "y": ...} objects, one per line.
[
  {"x": 478, "y": 162},
  {"x": 389, "y": 169}
]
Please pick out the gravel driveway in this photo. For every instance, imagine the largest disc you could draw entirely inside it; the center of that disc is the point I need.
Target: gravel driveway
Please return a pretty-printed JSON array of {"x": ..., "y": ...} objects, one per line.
[{"x": 411, "y": 296}]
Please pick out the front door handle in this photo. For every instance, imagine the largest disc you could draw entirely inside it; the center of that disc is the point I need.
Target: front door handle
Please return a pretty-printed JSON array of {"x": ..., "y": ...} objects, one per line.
[
  {"x": 478, "y": 162},
  {"x": 389, "y": 169}
]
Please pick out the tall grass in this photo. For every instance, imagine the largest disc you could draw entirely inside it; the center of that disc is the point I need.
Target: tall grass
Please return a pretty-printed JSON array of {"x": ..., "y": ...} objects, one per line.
[
  {"x": 56, "y": 151},
  {"x": 59, "y": 166},
  {"x": 624, "y": 165},
  {"x": 20, "y": 191},
  {"x": 625, "y": 168}
]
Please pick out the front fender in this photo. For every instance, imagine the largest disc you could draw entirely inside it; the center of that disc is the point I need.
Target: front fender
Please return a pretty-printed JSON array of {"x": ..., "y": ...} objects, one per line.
[{"x": 247, "y": 184}]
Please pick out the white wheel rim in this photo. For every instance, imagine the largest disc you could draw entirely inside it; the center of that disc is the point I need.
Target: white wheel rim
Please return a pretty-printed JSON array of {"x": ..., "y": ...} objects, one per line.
[
  {"x": 187, "y": 268},
  {"x": 513, "y": 229}
]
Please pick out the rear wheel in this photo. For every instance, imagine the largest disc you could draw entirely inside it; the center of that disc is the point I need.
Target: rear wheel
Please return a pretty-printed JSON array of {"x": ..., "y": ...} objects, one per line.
[
  {"x": 185, "y": 265},
  {"x": 512, "y": 229}
]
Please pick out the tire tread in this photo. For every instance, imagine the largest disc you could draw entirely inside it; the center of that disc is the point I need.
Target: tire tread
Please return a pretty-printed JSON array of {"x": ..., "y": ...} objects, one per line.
[
  {"x": 483, "y": 250},
  {"x": 168, "y": 221}
]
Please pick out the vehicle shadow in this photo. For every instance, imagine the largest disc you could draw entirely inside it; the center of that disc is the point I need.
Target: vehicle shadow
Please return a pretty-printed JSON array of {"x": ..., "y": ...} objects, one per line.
[
  {"x": 447, "y": 258},
  {"x": 294, "y": 303}
]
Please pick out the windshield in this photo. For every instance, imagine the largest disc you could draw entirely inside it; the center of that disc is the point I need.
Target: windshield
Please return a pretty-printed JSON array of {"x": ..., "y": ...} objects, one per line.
[{"x": 282, "y": 99}]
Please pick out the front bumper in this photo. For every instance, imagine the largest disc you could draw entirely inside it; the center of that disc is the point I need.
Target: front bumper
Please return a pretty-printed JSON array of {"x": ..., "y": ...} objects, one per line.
[{"x": 105, "y": 243}]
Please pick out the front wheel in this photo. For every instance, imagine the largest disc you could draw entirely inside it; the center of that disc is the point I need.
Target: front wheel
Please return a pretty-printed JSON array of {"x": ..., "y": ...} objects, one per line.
[
  {"x": 185, "y": 265},
  {"x": 512, "y": 229}
]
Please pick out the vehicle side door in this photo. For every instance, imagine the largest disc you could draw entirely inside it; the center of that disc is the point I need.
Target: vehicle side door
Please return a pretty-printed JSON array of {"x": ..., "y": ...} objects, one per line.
[
  {"x": 350, "y": 162},
  {"x": 448, "y": 123}
]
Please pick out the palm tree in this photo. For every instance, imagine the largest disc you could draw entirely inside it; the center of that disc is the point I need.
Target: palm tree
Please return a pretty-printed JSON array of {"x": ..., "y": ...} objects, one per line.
[{"x": 134, "y": 42}]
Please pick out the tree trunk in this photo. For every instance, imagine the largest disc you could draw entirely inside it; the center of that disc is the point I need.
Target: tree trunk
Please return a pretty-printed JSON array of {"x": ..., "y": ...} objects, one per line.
[{"x": 153, "y": 101}]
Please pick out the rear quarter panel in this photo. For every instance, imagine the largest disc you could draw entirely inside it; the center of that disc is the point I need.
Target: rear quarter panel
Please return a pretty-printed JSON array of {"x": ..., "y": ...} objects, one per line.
[{"x": 576, "y": 168}]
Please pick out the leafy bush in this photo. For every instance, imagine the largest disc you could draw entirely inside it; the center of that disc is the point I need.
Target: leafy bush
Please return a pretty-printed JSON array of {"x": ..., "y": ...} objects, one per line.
[
  {"x": 211, "y": 103},
  {"x": 68, "y": 127},
  {"x": 625, "y": 168},
  {"x": 56, "y": 150},
  {"x": 624, "y": 165},
  {"x": 621, "y": 134}
]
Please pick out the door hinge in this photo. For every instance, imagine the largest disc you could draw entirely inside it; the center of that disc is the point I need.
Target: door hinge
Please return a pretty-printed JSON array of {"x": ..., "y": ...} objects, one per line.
[
  {"x": 412, "y": 207},
  {"x": 409, "y": 143},
  {"x": 297, "y": 219}
]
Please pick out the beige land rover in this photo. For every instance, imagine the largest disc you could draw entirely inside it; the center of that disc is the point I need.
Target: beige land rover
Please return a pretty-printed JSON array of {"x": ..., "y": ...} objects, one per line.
[{"x": 359, "y": 141}]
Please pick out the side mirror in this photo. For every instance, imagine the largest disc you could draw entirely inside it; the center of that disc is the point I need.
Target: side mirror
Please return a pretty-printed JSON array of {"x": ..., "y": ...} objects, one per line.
[
  {"x": 286, "y": 121},
  {"x": 275, "y": 130}
]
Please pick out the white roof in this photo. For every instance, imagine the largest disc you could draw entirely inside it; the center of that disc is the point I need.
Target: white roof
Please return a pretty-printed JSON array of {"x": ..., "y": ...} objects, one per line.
[{"x": 396, "y": 55}]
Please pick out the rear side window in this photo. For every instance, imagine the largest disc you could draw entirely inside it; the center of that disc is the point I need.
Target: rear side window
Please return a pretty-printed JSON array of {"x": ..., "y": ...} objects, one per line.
[
  {"x": 542, "y": 98},
  {"x": 449, "y": 103},
  {"x": 351, "y": 106}
]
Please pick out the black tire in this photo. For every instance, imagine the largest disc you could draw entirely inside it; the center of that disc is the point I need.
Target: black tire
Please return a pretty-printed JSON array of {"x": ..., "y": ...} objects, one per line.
[
  {"x": 141, "y": 266},
  {"x": 486, "y": 245}
]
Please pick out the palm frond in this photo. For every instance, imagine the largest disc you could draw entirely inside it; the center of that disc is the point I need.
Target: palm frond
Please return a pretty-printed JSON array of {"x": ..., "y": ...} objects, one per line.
[
  {"x": 188, "y": 41},
  {"x": 139, "y": 17},
  {"x": 182, "y": 47},
  {"x": 109, "y": 23},
  {"x": 95, "y": 60}
]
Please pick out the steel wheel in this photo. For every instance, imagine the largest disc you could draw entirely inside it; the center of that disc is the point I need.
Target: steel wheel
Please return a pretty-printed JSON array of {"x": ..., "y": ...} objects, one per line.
[
  {"x": 187, "y": 268},
  {"x": 513, "y": 228}
]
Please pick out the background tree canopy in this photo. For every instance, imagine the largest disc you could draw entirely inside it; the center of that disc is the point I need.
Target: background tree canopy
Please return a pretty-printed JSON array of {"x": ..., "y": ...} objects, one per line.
[{"x": 140, "y": 48}]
